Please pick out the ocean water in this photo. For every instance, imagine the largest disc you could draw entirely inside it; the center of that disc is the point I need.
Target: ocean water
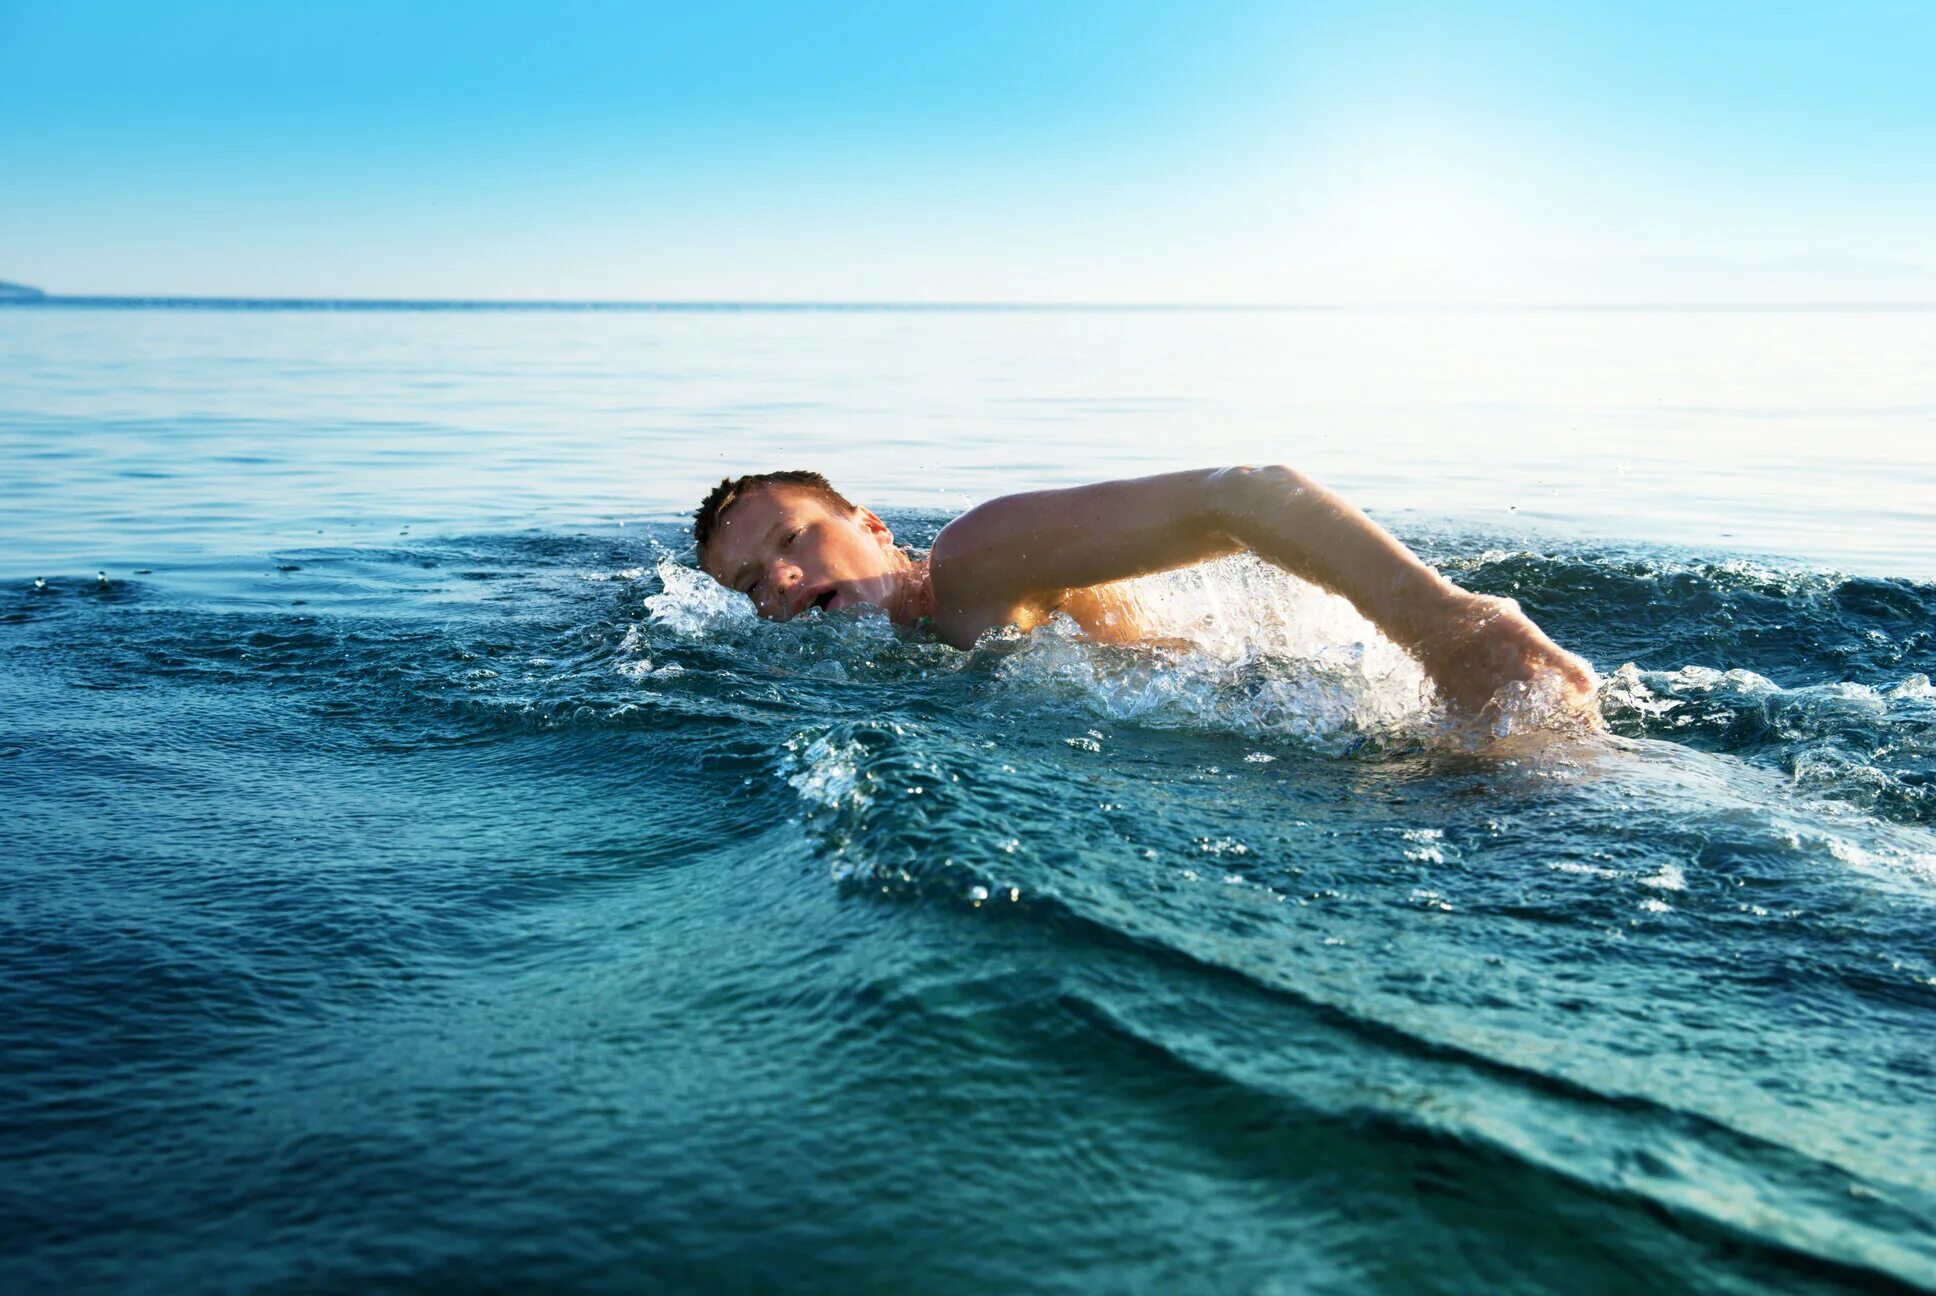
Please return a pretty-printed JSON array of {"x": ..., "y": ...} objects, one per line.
[{"x": 416, "y": 877}]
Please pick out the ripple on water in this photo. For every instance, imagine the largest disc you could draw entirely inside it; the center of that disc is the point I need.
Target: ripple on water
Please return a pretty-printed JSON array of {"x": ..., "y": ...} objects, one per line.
[{"x": 408, "y": 848}]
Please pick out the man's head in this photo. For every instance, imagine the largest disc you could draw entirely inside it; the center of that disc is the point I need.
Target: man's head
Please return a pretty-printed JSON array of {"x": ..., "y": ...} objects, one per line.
[{"x": 791, "y": 542}]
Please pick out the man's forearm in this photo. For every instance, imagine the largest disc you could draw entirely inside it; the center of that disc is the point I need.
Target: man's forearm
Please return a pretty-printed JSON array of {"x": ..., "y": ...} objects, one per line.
[{"x": 1285, "y": 517}]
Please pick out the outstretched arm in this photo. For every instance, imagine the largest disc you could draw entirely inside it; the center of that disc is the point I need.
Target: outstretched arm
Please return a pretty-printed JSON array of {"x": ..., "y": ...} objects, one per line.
[{"x": 1024, "y": 550}]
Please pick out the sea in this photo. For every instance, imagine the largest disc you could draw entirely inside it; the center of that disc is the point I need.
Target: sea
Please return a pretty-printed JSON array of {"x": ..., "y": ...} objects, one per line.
[{"x": 416, "y": 877}]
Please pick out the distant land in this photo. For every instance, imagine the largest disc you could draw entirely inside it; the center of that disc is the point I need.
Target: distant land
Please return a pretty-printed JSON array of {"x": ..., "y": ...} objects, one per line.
[{"x": 17, "y": 292}]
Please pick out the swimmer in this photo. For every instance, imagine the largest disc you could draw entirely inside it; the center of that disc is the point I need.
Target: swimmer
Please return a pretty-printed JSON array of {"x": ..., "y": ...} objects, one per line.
[{"x": 793, "y": 544}]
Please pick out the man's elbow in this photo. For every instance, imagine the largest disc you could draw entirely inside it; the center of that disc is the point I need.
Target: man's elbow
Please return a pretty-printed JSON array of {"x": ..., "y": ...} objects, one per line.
[{"x": 1246, "y": 494}]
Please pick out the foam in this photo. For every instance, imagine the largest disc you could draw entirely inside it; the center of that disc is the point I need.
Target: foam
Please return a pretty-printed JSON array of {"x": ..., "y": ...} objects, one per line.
[
  {"x": 1239, "y": 647},
  {"x": 826, "y": 772},
  {"x": 692, "y": 603},
  {"x": 1236, "y": 647}
]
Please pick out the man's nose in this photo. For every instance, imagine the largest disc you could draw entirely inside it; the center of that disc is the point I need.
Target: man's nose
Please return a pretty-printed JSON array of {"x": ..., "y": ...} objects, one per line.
[{"x": 781, "y": 577}]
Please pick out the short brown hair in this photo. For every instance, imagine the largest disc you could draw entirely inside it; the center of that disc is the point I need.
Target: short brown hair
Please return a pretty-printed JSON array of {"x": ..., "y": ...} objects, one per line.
[{"x": 730, "y": 489}]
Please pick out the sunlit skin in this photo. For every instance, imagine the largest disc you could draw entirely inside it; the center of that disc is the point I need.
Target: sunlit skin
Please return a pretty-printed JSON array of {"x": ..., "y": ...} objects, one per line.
[
  {"x": 1021, "y": 559},
  {"x": 790, "y": 552}
]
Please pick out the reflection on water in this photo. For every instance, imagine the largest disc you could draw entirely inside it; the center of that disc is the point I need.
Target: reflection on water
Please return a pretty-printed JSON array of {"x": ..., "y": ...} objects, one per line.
[{"x": 128, "y": 434}]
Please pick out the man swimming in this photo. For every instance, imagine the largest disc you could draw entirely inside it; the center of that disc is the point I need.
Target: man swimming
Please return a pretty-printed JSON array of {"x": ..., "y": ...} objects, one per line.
[{"x": 793, "y": 544}]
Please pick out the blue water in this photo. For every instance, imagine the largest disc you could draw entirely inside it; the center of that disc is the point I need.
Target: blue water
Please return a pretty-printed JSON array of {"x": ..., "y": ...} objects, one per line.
[{"x": 417, "y": 877}]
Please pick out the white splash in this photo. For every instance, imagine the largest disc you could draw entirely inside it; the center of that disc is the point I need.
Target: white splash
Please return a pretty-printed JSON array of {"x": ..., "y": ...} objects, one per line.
[
  {"x": 1239, "y": 647},
  {"x": 1916, "y": 687},
  {"x": 825, "y": 773},
  {"x": 693, "y": 603},
  {"x": 1669, "y": 878},
  {"x": 1584, "y": 870},
  {"x": 1425, "y": 845}
]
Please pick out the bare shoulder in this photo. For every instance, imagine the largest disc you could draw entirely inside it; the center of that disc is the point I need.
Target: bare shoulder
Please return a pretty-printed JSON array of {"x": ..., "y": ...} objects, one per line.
[
  {"x": 1011, "y": 549},
  {"x": 980, "y": 582},
  {"x": 970, "y": 597},
  {"x": 981, "y": 531},
  {"x": 1017, "y": 558}
]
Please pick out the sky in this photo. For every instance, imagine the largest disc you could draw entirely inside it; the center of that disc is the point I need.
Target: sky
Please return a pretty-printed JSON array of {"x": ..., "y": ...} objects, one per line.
[{"x": 1089, "y": 151}]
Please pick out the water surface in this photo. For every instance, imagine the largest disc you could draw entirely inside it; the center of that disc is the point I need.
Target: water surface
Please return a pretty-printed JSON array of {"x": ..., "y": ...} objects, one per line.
[{"x": 419, "y": 878}]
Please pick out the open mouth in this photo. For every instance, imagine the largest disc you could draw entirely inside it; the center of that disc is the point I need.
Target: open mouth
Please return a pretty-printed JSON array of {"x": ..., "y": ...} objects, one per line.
[{"x": 821, "y": 603}]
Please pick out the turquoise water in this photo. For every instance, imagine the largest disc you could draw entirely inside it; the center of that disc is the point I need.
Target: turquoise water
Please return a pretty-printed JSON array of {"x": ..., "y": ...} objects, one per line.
[{"x": 418, "y": 878}]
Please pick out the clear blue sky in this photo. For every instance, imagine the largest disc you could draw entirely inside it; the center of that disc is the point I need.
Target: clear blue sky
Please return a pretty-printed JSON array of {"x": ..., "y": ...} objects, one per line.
[{"x": 989, "y": 151}]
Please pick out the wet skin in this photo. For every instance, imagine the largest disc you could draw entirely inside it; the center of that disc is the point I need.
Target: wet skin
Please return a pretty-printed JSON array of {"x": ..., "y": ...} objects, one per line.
[
  {"x": 1022, "y": 558},
  {"x": 790, "y": 551}
]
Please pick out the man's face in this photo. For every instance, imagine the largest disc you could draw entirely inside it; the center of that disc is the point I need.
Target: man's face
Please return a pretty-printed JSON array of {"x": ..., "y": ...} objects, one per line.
[{"x": 790, "y": 551}]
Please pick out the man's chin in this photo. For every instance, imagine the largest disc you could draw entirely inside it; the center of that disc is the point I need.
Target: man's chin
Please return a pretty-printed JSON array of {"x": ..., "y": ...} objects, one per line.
[
  {"x": 869, "y": 592},
  {"x": 854, "y": 606}
]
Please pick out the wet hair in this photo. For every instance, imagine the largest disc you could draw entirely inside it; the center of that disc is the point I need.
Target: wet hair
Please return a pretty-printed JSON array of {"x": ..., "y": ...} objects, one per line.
[{"x": 705, "y": 522}]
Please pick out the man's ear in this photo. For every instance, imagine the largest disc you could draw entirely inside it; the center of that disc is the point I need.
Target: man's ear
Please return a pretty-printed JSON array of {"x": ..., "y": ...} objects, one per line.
[{"x": 874, "y": 527}]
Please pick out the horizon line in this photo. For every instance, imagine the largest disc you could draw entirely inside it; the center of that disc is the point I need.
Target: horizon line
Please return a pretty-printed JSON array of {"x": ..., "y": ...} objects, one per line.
[{"x": 861, "y": 306}]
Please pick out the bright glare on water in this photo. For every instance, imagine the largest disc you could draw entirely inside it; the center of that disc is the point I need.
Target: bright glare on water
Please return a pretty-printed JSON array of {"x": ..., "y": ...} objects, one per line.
[
  {"x": 418, "y": 876},
  {"x": 130, "y": 435}
]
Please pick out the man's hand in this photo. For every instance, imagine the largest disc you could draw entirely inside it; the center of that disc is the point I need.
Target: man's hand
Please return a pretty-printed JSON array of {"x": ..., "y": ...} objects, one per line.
[
  {"x": 1472, "y": 646},
  {"x": 1480, "y": 655}
]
